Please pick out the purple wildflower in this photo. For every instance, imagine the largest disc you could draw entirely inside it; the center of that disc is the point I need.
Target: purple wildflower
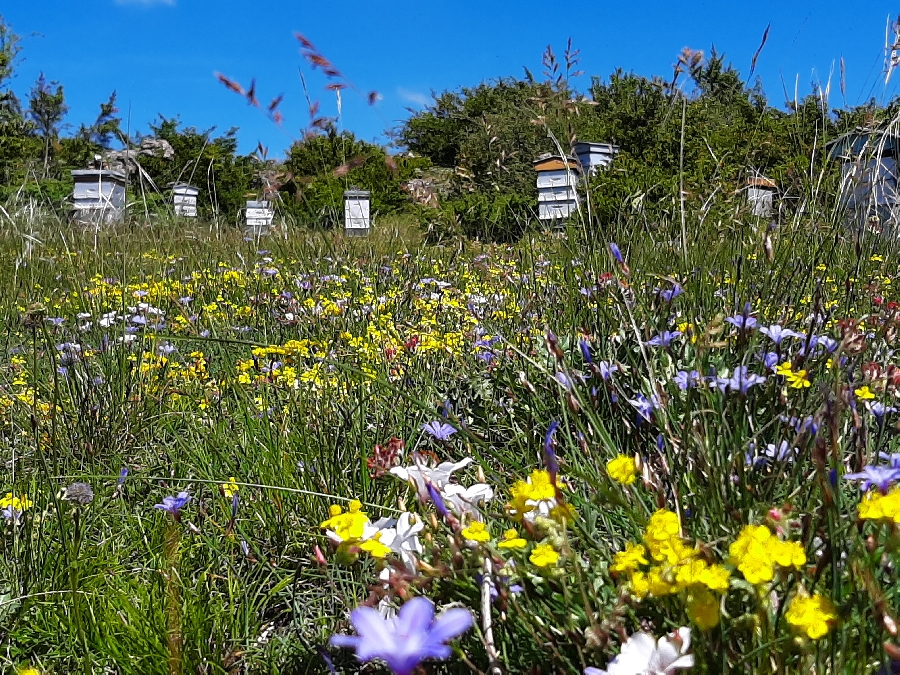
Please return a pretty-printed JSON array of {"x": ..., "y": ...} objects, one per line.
[
  {"x": 617, "y": 254},
  {"x": 550, "y": 459},
  {"x": 407, "y": 639},
  {"x": 770, "y": 360},
  {"x": 809, "y": 345},
  {"x": 772, "y": 453},
  {"x": 664, "y": 339},
  {"x": 880, "y": 476},
  {"x": 585, "y": 350},
  {"x": 776, "y": 333},
  {"x": 439, "y": 430},
  {"x": 741, "y": 380},
  {"x": 644, "y": 406},
  {"x": 669, "y": 294},
  {"x": 607, "y": 369},
  {"x": 879, "y": 410},
  {"x": 173, "y": 505},
  {"x": 686, "y": 380},
  {"x": 742, "y": 321},
  {"x": 892, "y": 458},
  {"x": 829, "y": 343},
  {"x": 435, "y": 495}
]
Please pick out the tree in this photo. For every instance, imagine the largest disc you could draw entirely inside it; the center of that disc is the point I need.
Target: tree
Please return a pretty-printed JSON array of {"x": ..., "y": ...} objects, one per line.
[
  {"x": 9, "y": 50},
  {"x": 321, "y": 166},
  {"x": 47, "y": 109}
]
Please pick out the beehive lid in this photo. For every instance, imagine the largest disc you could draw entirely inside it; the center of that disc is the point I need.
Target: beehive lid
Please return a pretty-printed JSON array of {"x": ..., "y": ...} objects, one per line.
[
  {"x": 357, "y": 193},
  {"x": 761, "y": 182},
  {"x": 109, "y": 174},
  {"x": 555, "y": 162},
  {"x": 585, "y": 146}
]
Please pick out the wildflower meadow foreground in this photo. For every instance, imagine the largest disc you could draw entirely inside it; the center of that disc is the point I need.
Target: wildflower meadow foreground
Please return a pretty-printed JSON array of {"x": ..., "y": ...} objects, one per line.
[{"x": 613, "y": 453}]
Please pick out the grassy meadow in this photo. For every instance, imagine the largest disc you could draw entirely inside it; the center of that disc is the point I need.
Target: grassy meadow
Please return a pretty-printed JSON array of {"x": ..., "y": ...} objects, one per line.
[{"x": 665, "y": 457}]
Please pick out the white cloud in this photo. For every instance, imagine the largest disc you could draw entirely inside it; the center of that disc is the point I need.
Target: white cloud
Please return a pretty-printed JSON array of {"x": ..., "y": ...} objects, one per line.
[
  {"x": 146, "y": 3},
  {"x": 416, "y": 97}
]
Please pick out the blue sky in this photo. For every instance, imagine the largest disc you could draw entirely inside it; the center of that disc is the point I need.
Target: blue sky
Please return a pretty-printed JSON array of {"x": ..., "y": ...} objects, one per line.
[{"x": 160, "y": 55}]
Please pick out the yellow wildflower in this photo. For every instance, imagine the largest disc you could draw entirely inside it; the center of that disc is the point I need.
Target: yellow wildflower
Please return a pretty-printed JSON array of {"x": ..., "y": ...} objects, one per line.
[
  {"x": 813, "y": 615},
  {"x": 788, "y": 553},
  {"x": 799, "y": 380},
  {"x": 663, "y": 538},
  {"x": 230, "y": 488},
  {"x": 876, "y": 506},
  {"x": 703, "y": 608},
  {"x": 750, "y": 553},
  {"x": 690, "y": 573},
  {"x": 374, "y": 547},
  {"x": 864, "y": 393},
  {"x": 348, "y": 525},
  {"x": 716, "y": 578},
  {"x": 660, "y": 583},
  {"x": 622, "y": 469},
  {"x": 630, "y": 559},
  {"x": 477, "y": 531},
  {"x": 785, "y": 369},
  {"x": 640, "y": 585},
  {"x": 543, "y": 555},
  {"x": 21, "y": 503},
  {"x": 511, "y": 539}
]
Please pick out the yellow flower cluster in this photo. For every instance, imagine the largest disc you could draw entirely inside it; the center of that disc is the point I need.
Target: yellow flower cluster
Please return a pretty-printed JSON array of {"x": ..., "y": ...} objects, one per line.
[
  {"x": 543, "y": 555},
  {"x": 622, "y": 469},
  {"x": 812, "y": 615},
  {"x": 674, "y": 567},
  {"x": 756, "y": 552},
  {"x": 476, "y": 531},
  {"x": 536, "y": 497},
  {"x": 21, "y": 503},
  {"x": 511, "y": 540},
  {"x": 349, "y": 530},
  {"x": 877, "y": 506},
  {"x": 797, "y": 379}
]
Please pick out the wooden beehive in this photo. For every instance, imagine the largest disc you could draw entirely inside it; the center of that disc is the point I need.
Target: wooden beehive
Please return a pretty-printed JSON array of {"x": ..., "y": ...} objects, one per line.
[
  {"x": 594, "y": 156},
  {"x": 184, "y": 199},
  {"x": 557, "y": 180},
  {"x": 868, "y": 160},
  {"x": 259, "y": 216},
  {"x": 761, "y": 195},
  {"x": 98, "y": 196},
  {"x": 356, "y": 212}
]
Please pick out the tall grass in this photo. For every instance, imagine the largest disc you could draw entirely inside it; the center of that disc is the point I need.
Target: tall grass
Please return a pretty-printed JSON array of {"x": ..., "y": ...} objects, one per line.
[{"x": 211, "y": 387}]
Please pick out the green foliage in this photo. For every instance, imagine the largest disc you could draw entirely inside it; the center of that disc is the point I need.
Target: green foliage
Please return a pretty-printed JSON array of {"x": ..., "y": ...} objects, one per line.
[
  {"x": 475, "y": 215},
  {"x": 321, "y": 166},
  {"x": 9, "y": 50},
  {"x": 208, "y": 162},
  {"x": 46, "y": 109}
]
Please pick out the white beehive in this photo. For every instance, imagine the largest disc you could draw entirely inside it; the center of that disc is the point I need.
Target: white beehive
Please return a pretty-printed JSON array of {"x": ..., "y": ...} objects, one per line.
[
  {"x": 356, "y": 212},
  {"x": 98, "y": 196},
  {"x": 594, "y": 156},
  {"x": 184, "y": 199},
  {"x": 869, "y": 187},
  {"x": 761, "y": 195},
  {"x": 259, "y": 216},
  {"x": 557, "y": 180}
]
